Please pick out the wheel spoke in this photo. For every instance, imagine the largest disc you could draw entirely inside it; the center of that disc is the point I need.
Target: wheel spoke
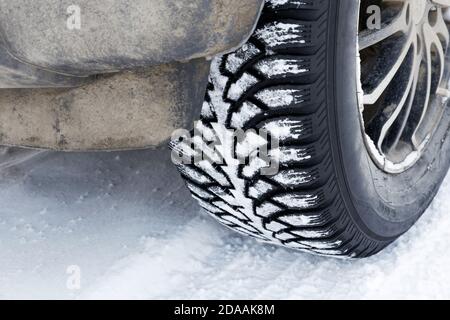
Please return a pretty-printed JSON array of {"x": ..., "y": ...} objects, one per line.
[
  {"x": 399, "y": 126},
  {"x": 392, "y": 117},
  {"x": 444, "y": 3},
  {"x": 387, "y": 71},
  {"x": 443, "y": 34},
  {"x": 440, "y": 27},
  {"x": 432, "y": 45}
]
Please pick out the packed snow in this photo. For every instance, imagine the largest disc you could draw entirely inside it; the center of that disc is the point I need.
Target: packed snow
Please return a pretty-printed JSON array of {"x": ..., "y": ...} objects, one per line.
[{"x": 126, "y": 222}]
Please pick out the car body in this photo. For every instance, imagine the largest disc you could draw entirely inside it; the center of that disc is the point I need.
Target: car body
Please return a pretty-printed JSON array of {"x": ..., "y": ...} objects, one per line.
[{"x": 110, "y": 75}]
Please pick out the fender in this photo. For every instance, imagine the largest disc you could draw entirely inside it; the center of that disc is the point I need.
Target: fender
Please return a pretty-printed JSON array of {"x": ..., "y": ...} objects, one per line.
[
  {"x": 53, "y": 43},
  {"x": 110, "y": 75}
]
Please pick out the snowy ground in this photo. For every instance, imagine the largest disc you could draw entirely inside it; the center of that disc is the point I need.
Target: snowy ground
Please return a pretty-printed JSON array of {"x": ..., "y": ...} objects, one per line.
[{"x": 126, "y": 220}]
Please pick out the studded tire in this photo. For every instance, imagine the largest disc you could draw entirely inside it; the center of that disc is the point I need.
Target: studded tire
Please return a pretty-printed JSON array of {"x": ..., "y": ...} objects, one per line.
[{"x": 296, "y": 79}]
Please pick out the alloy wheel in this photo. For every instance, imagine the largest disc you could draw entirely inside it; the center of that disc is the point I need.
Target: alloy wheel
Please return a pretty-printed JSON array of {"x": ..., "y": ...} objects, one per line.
[{"x": 404, "y": 77}]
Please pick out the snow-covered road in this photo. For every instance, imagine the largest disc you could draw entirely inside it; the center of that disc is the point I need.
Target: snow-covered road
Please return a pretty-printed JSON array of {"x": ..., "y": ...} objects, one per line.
[{"x": 126, "y": 220}]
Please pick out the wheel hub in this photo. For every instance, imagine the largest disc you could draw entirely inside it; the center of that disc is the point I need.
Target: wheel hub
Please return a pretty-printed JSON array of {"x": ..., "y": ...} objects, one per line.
[{"x": 404, "y": 74}]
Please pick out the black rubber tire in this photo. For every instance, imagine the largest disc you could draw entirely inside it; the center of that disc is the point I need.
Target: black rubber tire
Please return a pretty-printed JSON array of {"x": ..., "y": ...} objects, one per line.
[{"x": 329, "y": 197}]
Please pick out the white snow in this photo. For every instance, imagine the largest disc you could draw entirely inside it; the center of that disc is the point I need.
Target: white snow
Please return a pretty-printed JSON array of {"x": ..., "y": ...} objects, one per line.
[
  {"x": 280, "y": 33},
  {"x": 219, "y": 82},
  {"x": 247, "y": 112},
  {"x": 312, "y": 234},
  {"x": 287, "y": 155},
  {"x": 242, "y": 56},
  {"x": 300, "y": 201},
  {"x": 293, "y": 178},
  {"x": 194, "y": 175},
  {"x": 260, "y": 188},
  {"x": 281, "y": 67},
  {"x": 241, "y": 86},
  {"x": 128, "y": 222},
  {"x": 279, "y": 3},
  {"x": 301, "y": 220},
  {"x": 285, "y": 128},
  {"x": 267, "y": 209},
  {"x": 275, "y": 98}
]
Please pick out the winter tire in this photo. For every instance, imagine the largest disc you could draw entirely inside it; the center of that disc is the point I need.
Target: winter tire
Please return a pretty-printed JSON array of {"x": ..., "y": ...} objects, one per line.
[{"x": 360, "y": 114}]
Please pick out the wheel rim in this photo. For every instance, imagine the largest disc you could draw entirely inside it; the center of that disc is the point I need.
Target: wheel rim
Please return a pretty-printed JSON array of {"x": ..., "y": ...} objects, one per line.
[{"x": 404, "y": 77}]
